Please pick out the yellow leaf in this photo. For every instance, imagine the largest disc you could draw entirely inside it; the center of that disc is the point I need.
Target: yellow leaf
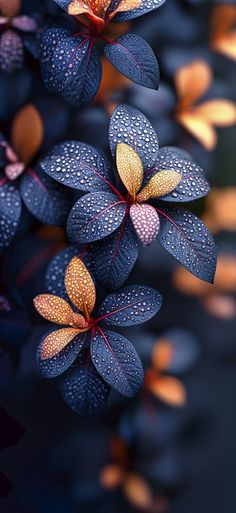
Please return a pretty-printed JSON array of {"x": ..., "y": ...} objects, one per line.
[
  {"x": 161, "y": 184},
  {"x": 129, "y": 167},
  {"x": 80, "y": 287},
  {"x": 56, "y": 341}
]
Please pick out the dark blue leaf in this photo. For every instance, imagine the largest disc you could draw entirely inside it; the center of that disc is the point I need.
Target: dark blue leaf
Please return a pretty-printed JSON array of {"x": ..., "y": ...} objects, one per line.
[
  {"x": 10, "y": 211},
  {"x": 95, "y": 216},
  {"x": 133, "y": 57},
  {"x": 79, "y": 166},
  {"x": 117, "y": 362},
  {"x": 145, "y": 7},
  {"x": 48, "y": 201},
  {"x": 193, "y": 184},
  {"x": 85, "y": 85},
  {"x": 113, "y": 259},
  {"x": 70, "y": 66},
  {"x": 82, "y": 387},
  {"x": 185, "y": 237},
  {"x": 63, "y": 3},
  {"x": 128, "y": 125},
  {"x": 55, "y": 274},
  {"x": 132, "y": 305},
  {"x": 55, "y": 65},
  {"x": 59, "y": 363}
]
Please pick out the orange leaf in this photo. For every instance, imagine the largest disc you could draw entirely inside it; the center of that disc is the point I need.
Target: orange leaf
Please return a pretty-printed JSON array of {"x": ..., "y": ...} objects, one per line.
[
  {"x": 54, "y": 309},
  {"x": 169, "y": 389},
  {"x": 192, "y": 81},
  {"x": 111, "y": 476},
  {"x": 130, "y": 168},
  {"x": 77, "y": 7},
  {"x": 137, "y": 491},
  {"x": 199, "y": 128},
  {"x": 27, "y": 133},
  {"x": 217, "y": 112},
  {"x": 161, "y": 184},
  {"x": 95, "y": 8},
  {"x": 223, "y": 36},
  {"x": 127, "y": 5},
  {"x": 227, "y": 46},
  {"x": 56, "y": 341},
  {"x": 162, "y": 355},
  {"x": 80, "y": 287},
  {"x": 10, "y": 8}
]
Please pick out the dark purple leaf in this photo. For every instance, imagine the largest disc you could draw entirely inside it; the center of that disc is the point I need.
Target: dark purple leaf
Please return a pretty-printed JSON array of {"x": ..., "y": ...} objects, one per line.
[
  {"x": 82, "y": 387},
  {"x": 117, "y": 362},
  {"x": 133, "y": 57},
  {"x": 95, "y": 216},
  {"x": 128, "y": 125},
  {"x": 132, "y": 305},
  {"x": 79, "y": 166},
  {"x": 187, "y": 239}
]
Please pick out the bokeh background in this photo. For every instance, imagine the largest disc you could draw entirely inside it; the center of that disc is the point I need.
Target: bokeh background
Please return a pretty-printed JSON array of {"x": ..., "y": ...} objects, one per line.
[{"x": 173, "y": 448}]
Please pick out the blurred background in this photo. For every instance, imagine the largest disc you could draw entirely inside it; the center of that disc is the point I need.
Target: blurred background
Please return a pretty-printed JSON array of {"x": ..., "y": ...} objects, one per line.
[{"x": 173, "y": 448}]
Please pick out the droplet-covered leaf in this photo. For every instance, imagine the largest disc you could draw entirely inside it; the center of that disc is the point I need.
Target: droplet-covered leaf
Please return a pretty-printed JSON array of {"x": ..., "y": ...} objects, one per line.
[
  {"x": 133, "y": 57},
  {"x": 79, "y": 166},
  {"x": 117, "y": 362},
  {"x": 130, "y": 168},
  {"x": 95, "y": 216},
  {"x": 79, "y": 286},
  {"x": 146, "y": 223},
  {"x": 10, "y": 211},
  {"x": 193, "y": 184},
  {"x": 188, "y": 240},
  {"x": 113, "y": 258},
  {"x": 70, "y": 66},
  {"x": 47, "y": 200},
  {"x": 59, "y": 363},
  {"x": 55, "y": 275},
  {"x": 82, "y": 387},
  {"x": 128, "y": 125},
  {"x": 145, "y": 7},
  {"x": 132, "y": 305}
]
